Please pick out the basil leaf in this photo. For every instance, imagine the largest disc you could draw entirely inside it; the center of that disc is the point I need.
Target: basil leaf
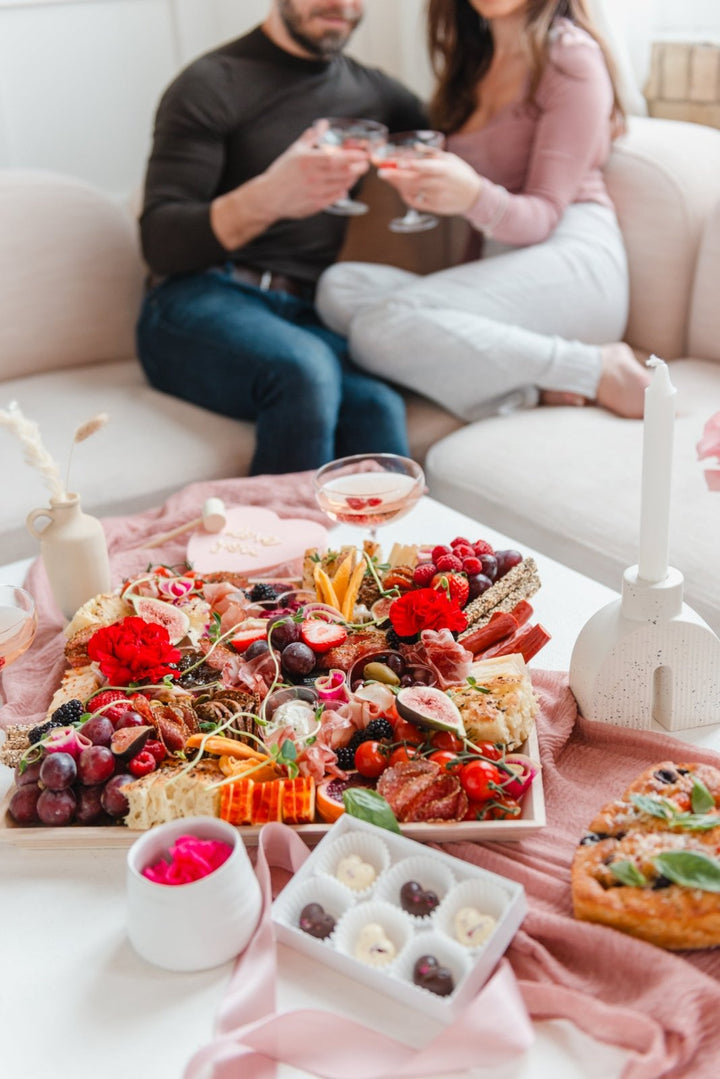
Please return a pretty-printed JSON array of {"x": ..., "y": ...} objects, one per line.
[
  {"x": 628, "y": 873},
  {"x": 700, "y": 797},
  {"x": 654, "y": 807},
  {"x": 691, "y": 869},
  {"x": 696, "y": 822},
  {"x": 288, "y": 750},
  {"x": 370, "y": 806}
]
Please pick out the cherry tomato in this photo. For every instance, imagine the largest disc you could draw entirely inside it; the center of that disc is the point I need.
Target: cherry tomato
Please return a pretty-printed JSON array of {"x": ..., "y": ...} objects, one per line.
[
  {"x": 480, "y": 780},
  {"x": 447, "y": 760},
  {"x": 446, "y": 740},
  {"x": 500, "y": 807},
  {"x": 371, "y": 759},
  {"x": 489, "y": 750},
  {"x": 404, "y": 731},
  {"x": 401, "y": 754}
]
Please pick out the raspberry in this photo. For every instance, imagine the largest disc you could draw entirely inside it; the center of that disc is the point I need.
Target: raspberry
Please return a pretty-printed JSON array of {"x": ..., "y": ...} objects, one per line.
[
  {"x": 438, "y": 552},
  {"x": 142, "y": 763},
  {"x": 471, "y": 566},
  {"x": 424, "y": 573},
  {"x": 463, "y": 550},
  {"x": 460, "y": 540},
  {"x": 447, "y": 563},
  {"x": 482, "y": 547}
]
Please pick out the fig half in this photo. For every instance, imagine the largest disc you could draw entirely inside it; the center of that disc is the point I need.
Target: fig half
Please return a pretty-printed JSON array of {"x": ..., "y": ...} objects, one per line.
[{"x": 427, "y": 706}]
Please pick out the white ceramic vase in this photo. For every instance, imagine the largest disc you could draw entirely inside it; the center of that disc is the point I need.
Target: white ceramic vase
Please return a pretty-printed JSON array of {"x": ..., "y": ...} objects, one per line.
[{"x": 74, "y": 552}]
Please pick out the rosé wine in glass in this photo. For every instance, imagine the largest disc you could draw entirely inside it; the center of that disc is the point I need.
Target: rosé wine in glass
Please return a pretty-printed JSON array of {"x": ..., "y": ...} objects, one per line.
[
  {"x": 18, "y": 623},
  {"x": 369, "y": 489},
  {"x": 401, "y": 149},
  {"x": 346, "y": 133}
]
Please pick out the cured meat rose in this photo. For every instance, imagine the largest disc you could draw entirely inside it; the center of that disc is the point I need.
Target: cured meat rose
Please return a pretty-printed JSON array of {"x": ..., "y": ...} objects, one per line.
[
  {"x": 419, "y": 790},
  {"x": 447, "y": 657}
]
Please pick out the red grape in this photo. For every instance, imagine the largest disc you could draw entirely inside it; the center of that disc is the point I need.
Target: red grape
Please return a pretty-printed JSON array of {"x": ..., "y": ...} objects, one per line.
[
  {"x": 130, "y": 718},
  {"x": 89, "y": 806},
  {"x": 284, "y": 633},
  {"x": 56, "y": 807},
  {"x": 95, "y": 765},
  {"x": 506, "y": 560},
  {"x": 113, "y": 800},
  {"x": 257, "y": 648},
  {"x": 99, "y": 730},
  {"x": 30, "y": 775},
  {"x": 479, "y": 583},
  {"x": 297, "y": 658},
  {"x": 58, "y": 771},
  {"x": 489, "y": 565},
  {"x": 23, "y": 804}
]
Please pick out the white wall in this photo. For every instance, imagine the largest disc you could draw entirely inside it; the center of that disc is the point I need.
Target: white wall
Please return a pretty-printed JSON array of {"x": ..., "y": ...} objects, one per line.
[{"x": 80, "y": 79}]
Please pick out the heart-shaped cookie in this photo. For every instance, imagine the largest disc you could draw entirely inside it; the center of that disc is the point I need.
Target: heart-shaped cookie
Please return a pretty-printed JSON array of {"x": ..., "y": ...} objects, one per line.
[
  {"x": 315, "y": 920},
  {"x": 417, "y": 900},
  {"x": 354, "y": 873},
  {"x": 428, "y": 974}
]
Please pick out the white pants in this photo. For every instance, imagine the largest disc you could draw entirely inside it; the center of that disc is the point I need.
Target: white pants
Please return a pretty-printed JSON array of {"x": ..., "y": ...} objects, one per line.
[{"x": 485, "y": 336}]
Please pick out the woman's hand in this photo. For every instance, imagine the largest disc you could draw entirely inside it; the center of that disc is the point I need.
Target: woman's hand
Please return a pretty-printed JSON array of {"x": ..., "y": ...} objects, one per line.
[{"x": 442, "y": 184}]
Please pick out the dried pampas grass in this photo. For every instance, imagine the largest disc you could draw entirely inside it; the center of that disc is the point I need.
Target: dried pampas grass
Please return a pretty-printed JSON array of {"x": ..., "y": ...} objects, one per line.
[{"x": 34, "y": 450}]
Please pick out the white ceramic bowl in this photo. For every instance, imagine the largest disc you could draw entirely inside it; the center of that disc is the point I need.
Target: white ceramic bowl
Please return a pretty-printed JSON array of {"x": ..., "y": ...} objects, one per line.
[{"x": 191, "y": 926}]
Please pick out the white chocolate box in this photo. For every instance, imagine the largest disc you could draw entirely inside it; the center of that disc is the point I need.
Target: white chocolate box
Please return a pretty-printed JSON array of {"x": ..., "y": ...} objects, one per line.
[{"x": 504, "y": 899}]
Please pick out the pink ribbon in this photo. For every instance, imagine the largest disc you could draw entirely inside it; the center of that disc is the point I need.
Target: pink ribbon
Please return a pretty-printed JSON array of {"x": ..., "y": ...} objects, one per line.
[{"x": 253, "y": 1037}]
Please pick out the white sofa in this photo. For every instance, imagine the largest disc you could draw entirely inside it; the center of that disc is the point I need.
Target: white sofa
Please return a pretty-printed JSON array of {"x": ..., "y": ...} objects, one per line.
[{"x": 564, "y": 481}]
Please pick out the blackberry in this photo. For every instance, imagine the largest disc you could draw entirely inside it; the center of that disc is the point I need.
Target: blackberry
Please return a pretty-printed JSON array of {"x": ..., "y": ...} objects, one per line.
[
  {"x": 261, "y": 592},
  {"x": 346, "y": 758},
  {"x": 379, "y": 728},
  {"x": 357, "y": 739},
  {"x": 394, "y": 640},
  {"x": 67, "y": 713},
  {"x": 36, "y": 733}
]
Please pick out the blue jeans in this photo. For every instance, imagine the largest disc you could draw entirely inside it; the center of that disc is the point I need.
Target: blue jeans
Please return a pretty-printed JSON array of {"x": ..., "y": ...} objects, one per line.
[{"x": 265, "y": 356}]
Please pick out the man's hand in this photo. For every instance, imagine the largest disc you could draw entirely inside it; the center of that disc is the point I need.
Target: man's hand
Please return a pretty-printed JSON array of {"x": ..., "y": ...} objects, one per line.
[
  {"x": 302, "y": 181},
  {"x": 442, "y": 183}
]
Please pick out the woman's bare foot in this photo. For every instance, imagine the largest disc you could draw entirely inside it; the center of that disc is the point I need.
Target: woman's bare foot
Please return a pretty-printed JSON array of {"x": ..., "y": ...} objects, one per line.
[
  {"x": 623, "y": 380},
  {"x": 557, "y": 397}
]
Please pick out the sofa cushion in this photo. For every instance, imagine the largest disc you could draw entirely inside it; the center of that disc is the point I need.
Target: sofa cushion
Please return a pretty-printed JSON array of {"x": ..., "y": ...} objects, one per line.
[
  {"x": 566, "y": 481},
  {"x": 153, "y": 445},
  {"x": 71, "y": 274},
  {"x": 704, "y": 329}
]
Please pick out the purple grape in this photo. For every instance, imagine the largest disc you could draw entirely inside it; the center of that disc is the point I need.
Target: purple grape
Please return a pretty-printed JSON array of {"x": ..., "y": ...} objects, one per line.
[
  {"x": 56, "y": 807},
  {"x": 89, "y": 806},
  {"x": 407, "y": 680},
  {"x": 506, "y": 560},
  {"x": 112, "y": 799},
  {"x": 130, "y": 719},
  {"x": 479, "y": 583},
  {"x": 420, "y": 676},
  {"x": 99, "y": 730},
  {"x": 30, "y": 775},
  {"x": 95, "y": 765},
  {"x": 257, "y": 648},
  {"x": 23, "y": 804},
  {"x": 395, "y": 662},
  {"x": 58, "y": 771},
  {"x": 489, "y": 565},
  {"x": 297, "y": 658},
  {"x": 284, "y": 633}
]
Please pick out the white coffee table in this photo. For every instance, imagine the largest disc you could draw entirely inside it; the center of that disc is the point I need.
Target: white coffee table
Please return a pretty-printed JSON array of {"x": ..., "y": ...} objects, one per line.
[{"x": 76, "y": 1001}]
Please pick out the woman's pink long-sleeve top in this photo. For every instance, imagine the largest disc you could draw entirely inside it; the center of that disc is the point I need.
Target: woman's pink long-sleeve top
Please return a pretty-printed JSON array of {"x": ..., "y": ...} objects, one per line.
[{"x": 537, "y": 158}]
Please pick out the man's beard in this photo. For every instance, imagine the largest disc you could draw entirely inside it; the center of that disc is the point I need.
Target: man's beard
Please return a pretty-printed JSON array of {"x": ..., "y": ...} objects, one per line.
[{"x": 326, "y": 45}]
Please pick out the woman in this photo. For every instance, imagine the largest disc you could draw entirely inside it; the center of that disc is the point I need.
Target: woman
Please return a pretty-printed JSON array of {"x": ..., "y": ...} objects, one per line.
[{"x": 527, "y": 98}]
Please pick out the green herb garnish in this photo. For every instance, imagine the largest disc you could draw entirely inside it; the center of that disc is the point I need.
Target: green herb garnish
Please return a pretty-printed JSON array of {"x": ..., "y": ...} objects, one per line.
[
  {"x": 628, "y": 873},
  {"x": 370, "y": 806},
  {"x": 700, "y": 797},
  {"x": 691, "y": 869}
]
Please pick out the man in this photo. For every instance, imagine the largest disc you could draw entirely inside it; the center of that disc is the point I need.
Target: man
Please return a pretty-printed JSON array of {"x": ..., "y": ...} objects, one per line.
[{"x": 234, "y": 232}]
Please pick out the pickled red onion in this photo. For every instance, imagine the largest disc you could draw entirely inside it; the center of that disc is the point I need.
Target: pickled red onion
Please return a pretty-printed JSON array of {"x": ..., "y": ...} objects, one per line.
[
  {"x": 332, "y": 687},
  {"x": 191, "y": 859}
]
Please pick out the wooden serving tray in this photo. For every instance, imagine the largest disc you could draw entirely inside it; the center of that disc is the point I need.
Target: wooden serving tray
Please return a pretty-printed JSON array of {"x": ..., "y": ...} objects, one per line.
[{"x": 79, "y": 837}]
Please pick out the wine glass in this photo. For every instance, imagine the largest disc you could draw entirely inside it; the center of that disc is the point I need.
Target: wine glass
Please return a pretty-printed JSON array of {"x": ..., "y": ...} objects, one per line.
[
  {"x": 18, "y": 622},
  {"x": 343, "y": 132},
  {"x": 406, "y": 147},
  {"x": 369, "y": 489}
]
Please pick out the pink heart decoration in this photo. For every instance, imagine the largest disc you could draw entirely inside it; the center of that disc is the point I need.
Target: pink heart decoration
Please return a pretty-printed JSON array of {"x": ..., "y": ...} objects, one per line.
[{"x": 253, "y": 541}]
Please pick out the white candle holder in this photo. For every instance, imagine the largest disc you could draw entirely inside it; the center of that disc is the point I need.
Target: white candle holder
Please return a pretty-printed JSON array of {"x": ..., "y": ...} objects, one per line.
[{"x": 647, "y": 660}]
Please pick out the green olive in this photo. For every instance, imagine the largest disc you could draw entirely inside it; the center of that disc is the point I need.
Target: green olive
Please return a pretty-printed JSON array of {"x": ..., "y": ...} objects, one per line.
[{"x": 380, "y": 672}]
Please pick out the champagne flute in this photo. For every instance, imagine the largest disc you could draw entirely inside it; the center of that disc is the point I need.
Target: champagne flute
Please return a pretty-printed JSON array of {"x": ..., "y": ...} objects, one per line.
[
  {"x": 18, "y": 622},
  {"x": 404, "y": 148},
  {"x": 369, "y": 489},
  {"x": 346, "y": 133}
]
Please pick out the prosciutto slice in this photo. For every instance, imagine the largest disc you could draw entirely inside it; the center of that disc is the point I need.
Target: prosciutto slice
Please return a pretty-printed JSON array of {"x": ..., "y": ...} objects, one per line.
[{"x": 450, "y": 661}]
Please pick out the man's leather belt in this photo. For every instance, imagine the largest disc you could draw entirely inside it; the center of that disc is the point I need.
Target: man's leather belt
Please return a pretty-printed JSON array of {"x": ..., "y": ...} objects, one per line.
[{"x": 274, "y": 282}]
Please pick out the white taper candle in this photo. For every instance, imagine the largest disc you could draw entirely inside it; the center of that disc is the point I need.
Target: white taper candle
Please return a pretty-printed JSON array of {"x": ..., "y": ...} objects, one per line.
[{"x": 658, "y": 431}]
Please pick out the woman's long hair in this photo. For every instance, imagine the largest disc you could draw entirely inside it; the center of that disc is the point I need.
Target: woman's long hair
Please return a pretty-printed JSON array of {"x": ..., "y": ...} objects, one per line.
[{"x": 461, "y": 48}]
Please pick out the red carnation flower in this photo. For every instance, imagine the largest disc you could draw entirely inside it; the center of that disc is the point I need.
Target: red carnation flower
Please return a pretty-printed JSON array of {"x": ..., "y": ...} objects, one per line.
[
  {"x": 425, "y": 608},
  {"x": 133, "y": 650}
]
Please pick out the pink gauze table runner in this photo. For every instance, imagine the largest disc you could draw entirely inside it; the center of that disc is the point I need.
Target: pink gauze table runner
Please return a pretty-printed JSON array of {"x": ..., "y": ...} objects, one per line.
[{"x": 660, "y": 1006}]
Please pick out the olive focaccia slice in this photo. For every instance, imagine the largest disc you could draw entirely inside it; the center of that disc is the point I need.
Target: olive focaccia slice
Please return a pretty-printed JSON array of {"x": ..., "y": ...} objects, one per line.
[
  {"x": 663, "y": 887},
  {"x": 665, "y": 796}
]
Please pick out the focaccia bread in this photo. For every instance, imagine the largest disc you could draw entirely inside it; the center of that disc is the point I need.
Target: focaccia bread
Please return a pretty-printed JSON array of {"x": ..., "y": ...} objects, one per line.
[
  {"x": 650, "y": 863},
  {"x": 500, "y": 706}
]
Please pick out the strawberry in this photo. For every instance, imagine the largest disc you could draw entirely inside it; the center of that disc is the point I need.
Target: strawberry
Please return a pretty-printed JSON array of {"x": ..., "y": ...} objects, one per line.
[
  {"x": 111, "y": 703},
  {"x": 320, "y": 635},
  {"x": 448, "y": 563},
  {"x": 455, "y": 584},
  {"x": 423, "y": 574},
  {"x": 254, "y": 630}
]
